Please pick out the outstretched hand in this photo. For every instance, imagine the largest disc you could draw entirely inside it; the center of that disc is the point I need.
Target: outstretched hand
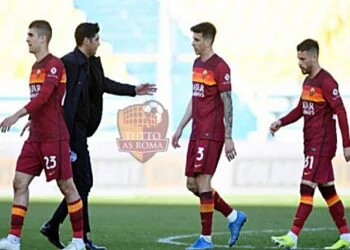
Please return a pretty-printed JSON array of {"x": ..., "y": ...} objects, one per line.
[
  {"x": 146, "y": 89},
  {"x": 6, "y": 124}
]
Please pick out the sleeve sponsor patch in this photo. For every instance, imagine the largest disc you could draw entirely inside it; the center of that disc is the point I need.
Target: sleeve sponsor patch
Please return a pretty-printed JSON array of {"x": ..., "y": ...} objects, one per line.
[
  {"x": 53, "y": 73},
  {"x": 335, "y": 92}
]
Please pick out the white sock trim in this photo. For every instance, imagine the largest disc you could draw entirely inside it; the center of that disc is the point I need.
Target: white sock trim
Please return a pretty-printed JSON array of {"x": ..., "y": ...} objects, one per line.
[
  {"x": 345, "y": 236},
  {"x": 294, "y": 236},
  {"x": 207, "y": 238},
  {"x": 232, "y": 216}
]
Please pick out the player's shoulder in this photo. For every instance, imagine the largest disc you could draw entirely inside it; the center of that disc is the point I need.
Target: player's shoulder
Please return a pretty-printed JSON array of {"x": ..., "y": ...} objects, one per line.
[
  {"x": 220, "y": 62},
  {"x": 54, "y": 61},
  {"x": 326, "y": 77}
]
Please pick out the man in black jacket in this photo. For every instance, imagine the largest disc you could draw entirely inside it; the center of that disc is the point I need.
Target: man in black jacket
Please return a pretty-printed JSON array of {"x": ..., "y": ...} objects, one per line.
[{"x": 86, "y": 84}]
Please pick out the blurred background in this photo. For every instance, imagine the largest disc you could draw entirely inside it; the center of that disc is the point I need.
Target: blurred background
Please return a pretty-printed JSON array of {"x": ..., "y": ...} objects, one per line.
[{"x": 150, "y": 41}]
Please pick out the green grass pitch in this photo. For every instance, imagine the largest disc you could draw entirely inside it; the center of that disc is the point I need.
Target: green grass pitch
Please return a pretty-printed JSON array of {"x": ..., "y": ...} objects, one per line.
[{"x": 140, "y": 222}]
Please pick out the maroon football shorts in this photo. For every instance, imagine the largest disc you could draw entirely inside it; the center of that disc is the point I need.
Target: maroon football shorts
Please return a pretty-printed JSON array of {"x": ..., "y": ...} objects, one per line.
[
  {"x": 318, "y": 169},
  {"x": 202, "y": 157},
  {"x": 52, "y": 156}
]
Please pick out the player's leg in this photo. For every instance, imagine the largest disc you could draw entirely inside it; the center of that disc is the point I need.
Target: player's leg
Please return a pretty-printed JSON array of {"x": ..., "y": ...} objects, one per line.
[
  {"x": 203, "y": 183},
  {"x": 19, "y": 209},
  {"x": 235, "y": 218},
  {"x": 58, "y": 167},
  {"x": 75, "y": 210},
  {"x": 28, "y": 165},
  {"x": 307, "y": 190},
  {"x": 199, "y": 185},
  {"x": 337, "y": 211}
]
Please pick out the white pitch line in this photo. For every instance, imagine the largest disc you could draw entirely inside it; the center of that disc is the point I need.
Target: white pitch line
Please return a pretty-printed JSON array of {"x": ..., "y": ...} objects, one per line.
[{"x": 174, "y": 240}]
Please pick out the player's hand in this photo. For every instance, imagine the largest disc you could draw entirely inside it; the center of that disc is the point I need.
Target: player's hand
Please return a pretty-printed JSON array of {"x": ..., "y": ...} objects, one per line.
[
  {"x": 275, "y": 126},
  {"x": 146, "y": 89},
  {"x": 230, "y": 150},
  {"x": 25, "y": 128},
  {"x": 175, "y": 138},
  {"x": 6, "y": 124},
  {"x": 347, "y": 153}
]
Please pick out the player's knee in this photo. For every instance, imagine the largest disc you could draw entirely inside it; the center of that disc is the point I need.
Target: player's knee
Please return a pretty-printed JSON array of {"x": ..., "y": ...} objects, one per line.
[
  {"x": 192, "y": 187},
  {"x": 67, "y": 187},
  {"x": 19, "y": 185},
  {"x": 327, "y": 190},
  {"x": 306, "y": 189},
  {"x": 203, "y": 183}
]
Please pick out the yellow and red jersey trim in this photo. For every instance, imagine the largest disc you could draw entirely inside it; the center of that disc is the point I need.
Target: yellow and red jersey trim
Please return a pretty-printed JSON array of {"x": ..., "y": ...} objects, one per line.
[
  {"x": 201, "y": 75},
  {"x": 312, "y": 94}
]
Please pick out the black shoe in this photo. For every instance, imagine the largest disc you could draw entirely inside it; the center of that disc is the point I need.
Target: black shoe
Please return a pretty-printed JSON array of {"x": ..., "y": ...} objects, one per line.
[
  {"x": 52, "y": 234},
  {"x": 91, "y": 246}
]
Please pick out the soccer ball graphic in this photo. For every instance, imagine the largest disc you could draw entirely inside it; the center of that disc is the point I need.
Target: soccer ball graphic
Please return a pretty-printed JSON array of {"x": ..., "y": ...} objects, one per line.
[{"x": 153, "y": 110}]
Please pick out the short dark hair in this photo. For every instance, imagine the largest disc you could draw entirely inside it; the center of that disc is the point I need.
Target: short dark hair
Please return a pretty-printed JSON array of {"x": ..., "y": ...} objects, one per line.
[
  {"x": 309, "y": 45},
  {"x": 207, "y": 29},
  {"x": 88, "y": 30},
  {"x": 43, "y": 27}
]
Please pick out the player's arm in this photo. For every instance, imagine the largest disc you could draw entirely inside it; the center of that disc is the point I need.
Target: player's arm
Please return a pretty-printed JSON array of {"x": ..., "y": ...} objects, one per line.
[
  {"x": 228, "y": 119},
  {"x": 223, "y": 78},
  {"x": 291, "y": 117},
  {"x": 184, "y": 121},
  {"x": 332, "y": 96},
  {"x": 228, "y": 113}
]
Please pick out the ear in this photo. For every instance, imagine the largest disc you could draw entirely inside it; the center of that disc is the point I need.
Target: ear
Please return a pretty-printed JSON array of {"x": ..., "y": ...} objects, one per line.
[
  {"x": 43, "y": 39},
  {"x": 86, "y": 41},
  {"x": 207, "y": 42}
]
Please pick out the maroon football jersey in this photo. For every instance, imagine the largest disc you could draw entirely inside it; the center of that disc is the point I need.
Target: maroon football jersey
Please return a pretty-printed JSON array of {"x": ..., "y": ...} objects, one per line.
[
  {"x": 320, "y": 103},
  {"x": 209, "y": 79},
  {"x": 47, "y": 86}
]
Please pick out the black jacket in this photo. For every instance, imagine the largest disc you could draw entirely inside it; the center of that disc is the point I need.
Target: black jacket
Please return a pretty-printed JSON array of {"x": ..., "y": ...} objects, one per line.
[{"x": 76, "y": 77}]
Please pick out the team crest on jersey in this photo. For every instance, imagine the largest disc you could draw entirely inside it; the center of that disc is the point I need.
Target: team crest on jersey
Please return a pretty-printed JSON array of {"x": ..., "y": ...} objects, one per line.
[
  {"x": 38, "y": 72},
  {"x": 227, "y": 77},
  {"x": 204, "y": 73},
  {"x": 312, "y": 91}
]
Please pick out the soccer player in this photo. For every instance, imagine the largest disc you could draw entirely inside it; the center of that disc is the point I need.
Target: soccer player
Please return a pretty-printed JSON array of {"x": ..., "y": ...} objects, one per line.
[
  {"x": 47, "y": 146},
  {"x": 210, "y": 105},
  {"x": 320, "y": 101},
  {"x": 83, "y": 108}
]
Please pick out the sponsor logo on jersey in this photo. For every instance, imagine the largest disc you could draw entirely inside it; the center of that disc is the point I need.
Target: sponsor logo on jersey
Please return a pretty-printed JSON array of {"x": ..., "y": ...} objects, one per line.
[
  {"x": 198, "y": 90},
  {"x": 308, "y": 108}
]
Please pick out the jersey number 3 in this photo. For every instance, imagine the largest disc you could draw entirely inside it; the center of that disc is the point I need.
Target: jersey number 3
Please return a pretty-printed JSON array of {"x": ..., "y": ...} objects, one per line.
[{"x": 200, "y": 153}]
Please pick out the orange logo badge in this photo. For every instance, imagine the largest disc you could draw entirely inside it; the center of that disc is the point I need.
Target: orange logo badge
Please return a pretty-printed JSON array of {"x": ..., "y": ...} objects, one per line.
[{"x": 142, "y": 129}]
